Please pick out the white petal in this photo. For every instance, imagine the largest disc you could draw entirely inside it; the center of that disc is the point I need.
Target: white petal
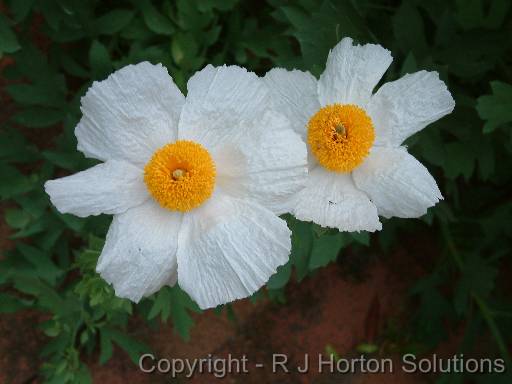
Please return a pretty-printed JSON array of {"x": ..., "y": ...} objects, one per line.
[
  {"x": 111, "y": 187},
  {"x": 221, "y": 104},
  {"x": 397, "y": 183},
  {"x": 270, "y": 168},
  {"x": 293, "y": 93},
  {"x": 331, "y": 200},
  {"x": 139, "y": 256},
  {"x": 130, "y": 114},
  {"x": 351, "y": 73},
  {"x": 229, "y": 248},
  {"x": 405, "y": 106}
]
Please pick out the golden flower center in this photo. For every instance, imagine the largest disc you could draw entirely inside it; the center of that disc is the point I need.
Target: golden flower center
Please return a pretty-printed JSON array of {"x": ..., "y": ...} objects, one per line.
[
  {"x": 180, "y": 175},
  {"x": 340, "y": 136}
]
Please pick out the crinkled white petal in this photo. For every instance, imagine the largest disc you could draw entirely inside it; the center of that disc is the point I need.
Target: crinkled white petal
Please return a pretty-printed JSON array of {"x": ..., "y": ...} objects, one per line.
[
  {"x": 405, "y": 106},
  {"x": 331, "y": 199},
  {"x": 222, "y": 102},
  {"x": 269, "y": 168},
  {"x": 130, "y": 114},
  {"x": 139, "y": 256},
  {"x": 293, "y": 93},
  {"x": 351, "y": 73},
  {"x": 397, "y": 183},
  {"x": 228, "y": 249},
  {"x": 111, "y": 187}
]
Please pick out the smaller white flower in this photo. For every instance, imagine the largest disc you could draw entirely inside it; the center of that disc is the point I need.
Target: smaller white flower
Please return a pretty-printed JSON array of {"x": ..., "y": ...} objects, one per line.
[
  {"x": 195, "y": 184},
  {"x": 358, "y": 168}
]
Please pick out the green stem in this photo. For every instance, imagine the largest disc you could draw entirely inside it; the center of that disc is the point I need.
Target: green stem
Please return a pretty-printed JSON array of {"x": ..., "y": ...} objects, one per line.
[
  {"x": 487, "y": 314},
  {"x": 489, "y": 319}
]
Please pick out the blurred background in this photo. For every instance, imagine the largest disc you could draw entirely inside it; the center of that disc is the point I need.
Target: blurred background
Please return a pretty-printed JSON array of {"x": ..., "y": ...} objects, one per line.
[{"x": 439, "y": 285}]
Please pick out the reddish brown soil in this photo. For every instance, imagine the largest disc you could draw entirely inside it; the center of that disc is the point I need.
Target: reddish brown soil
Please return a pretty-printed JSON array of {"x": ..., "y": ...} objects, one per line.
[{"x": 329, "y": 308}]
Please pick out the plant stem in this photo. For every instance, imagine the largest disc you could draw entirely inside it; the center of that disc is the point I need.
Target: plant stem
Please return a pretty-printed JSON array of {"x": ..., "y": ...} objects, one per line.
[{"x": 487, "y": 314}]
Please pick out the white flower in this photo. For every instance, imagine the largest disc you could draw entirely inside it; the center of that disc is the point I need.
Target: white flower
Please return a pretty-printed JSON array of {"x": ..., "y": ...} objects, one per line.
[
  {"x": 194, "y": 183},
  {"x": 357, "y": 166}
]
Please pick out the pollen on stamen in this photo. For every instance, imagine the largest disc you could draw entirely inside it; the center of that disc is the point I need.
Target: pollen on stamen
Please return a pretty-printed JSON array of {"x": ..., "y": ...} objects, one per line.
[
  {"x": 180, "y": 176},
  {"x": 340, "y": 136},
  {"x": 340, "y": 129}
]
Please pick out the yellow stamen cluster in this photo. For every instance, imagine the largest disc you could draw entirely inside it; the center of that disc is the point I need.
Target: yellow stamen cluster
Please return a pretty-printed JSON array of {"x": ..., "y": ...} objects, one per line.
[
  {"x": 340, "y": 136},
  {"x": 180, "y": 175}
]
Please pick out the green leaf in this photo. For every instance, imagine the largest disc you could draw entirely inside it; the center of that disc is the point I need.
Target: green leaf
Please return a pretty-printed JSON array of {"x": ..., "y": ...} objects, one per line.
[
  {"x": 10, "y": 304},
  {"x": 113, "y": 21},
  {"x": 106, "y": 349},
  {"x": 73, "y": 222},
  {"x": 71, "y": 161},
  {"x": 136, "y": 30},
  {"x": 42, "y": 93},
  {"x": 8, "y": 41},
  {"x": 13, "y": 182},
  {"x": 409, "y": 65},
  {"x": 13, "y": 145},
  {"x": 184, "y": 50},
  {"x": 46, "y": 296},
  {"x": 471, "y": 13},
  {"x": 96, "y": 243},
  {"x": 319, "y": 32},
  {"x": 99, "y": 60},
  {"x": 302, "y": 242},
  {"x": 21, "y": 9},
  {"x": 433, "y": 309},
  {"x": 281, "y": 277},
  {"x": 83, "y": 376},
  {"x": 478, "y": 277},
  {"x": 176, "y": 303},
  {"x": 361, "y": 237},
  {"x": 154, "y": 20},
  {"x": 45, "y": 268},
  {"x": 38, "y": 117},
  {"x": 161, "y": 305},
  {"x": 461, "y": 161},
  {"x": 409, "y": 29},
  {"x": 325, "y": 249},
  {"x": 17, "y": 218},
  {"x": 496, "y": 109},
  {"x": 209, "y": 5},
  {"x": 71, "y": 66},
  {"x": 132, "y": 347},
  {"x": 180, "y": 304},
  {"x": 191, "y": 17}
]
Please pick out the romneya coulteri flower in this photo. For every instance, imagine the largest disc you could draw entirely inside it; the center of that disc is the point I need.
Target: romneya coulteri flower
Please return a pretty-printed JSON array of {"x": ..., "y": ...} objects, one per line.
[
  {"x": 358, "y": 167},
  {"x": 194, "y": 183}
]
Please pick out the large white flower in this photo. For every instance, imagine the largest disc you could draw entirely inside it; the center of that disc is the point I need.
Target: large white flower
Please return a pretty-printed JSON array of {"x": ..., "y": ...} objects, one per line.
[
  {"x": 194, "y": 183},
  {"x": 357, "y": 166}
]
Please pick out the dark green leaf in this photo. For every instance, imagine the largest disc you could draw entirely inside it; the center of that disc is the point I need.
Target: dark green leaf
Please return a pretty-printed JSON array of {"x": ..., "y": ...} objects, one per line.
[
  {"x": 155, "y": 21},
  {"x": 10, "y": 304},
  {"x": 113, "y": 21},
  {"x": 325, "y": 250},
  {"x": 38, "y": 117},
  {"x": 99, "y": 60},
  {"x": 132, "y": 347},
  {"x": 106, "y": 349},
  {"x": 496, "y": 109},
  {"x": 281, "y": 277},
  {"x": 21, "y": 8},
  {"x": 8, "y": 41}
]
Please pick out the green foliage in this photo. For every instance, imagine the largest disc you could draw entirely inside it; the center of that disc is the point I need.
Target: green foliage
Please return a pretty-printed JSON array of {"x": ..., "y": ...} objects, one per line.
[
  {"x": 59, "y": 47},
  {"x": 495, "y": 108}
]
